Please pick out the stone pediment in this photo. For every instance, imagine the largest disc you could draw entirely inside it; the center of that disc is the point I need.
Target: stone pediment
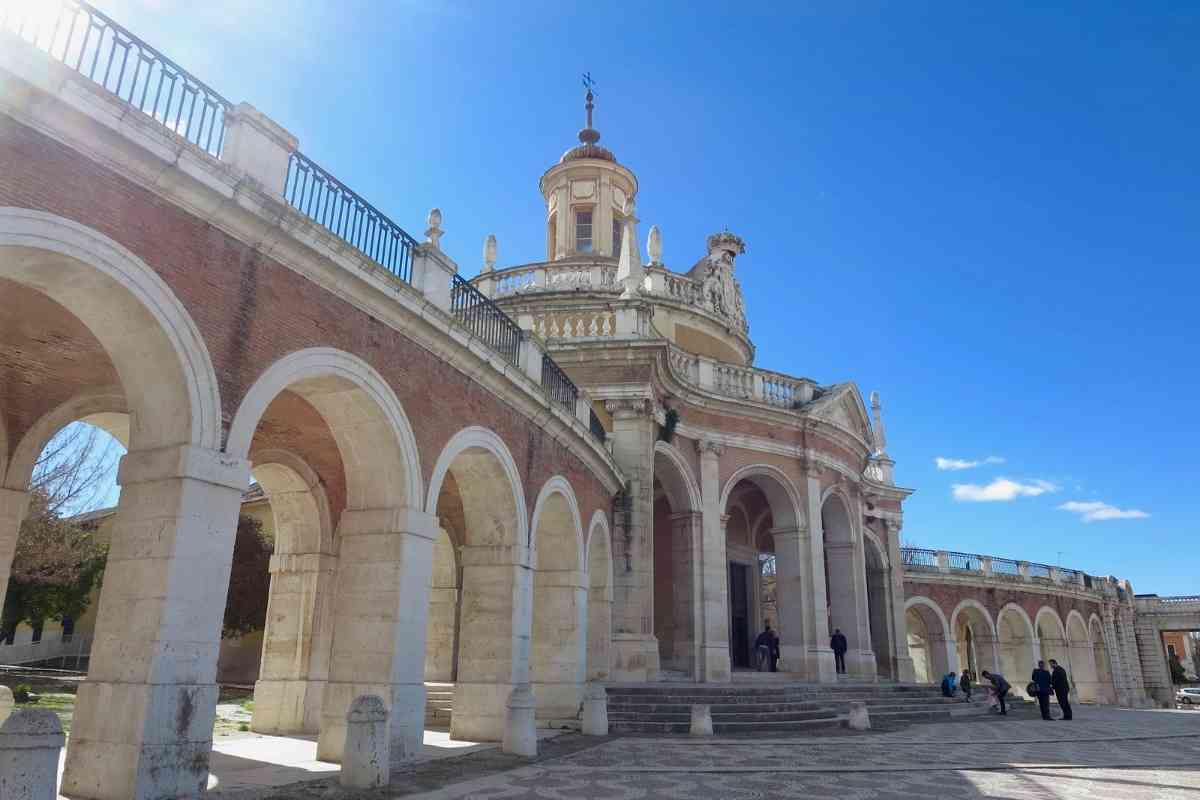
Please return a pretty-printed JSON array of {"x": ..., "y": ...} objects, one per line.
[{"x": 842, "y": 405}]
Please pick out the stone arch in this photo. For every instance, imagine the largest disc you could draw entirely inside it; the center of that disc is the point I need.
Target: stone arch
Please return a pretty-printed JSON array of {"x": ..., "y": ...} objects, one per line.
[
  {"x": 974, "y": 637},
  {"x": 600, "y": 598},
  {"x": 102, "y": 406},
  {"x": 1082, "y": 662},
  {"x": 879, "y": 604},
  {"x": 1017, "y": 641},
  {"x": 930, "y": 644},
  {"x": 168, "y": 376},
  {"x": 558, "y": 640},
  {"x": 379, "y": 451},
  {"x": 845, "y": 580},
  {"x": 1051, "y": 636},
  {"x": 1106, "y": 690},
  {"x": 781, "y": 493},
  {"x": 476, "y": 493},
  {"x": 677, "y": 506}
]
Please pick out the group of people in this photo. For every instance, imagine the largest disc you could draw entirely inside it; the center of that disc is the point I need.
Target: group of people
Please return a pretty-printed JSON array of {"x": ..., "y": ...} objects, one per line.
[
  {"x": 951, "y": 684},
  {"x": 1044, "y": 681}
]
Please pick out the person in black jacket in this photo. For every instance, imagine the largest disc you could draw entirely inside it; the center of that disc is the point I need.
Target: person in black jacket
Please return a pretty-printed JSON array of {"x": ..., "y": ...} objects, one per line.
[
  {"x": 1062, "y": 687},
  {"x": 1040, "y": 680},
  {"x": 1001, "y": 685},
  {"x": 837, "y": 643}
]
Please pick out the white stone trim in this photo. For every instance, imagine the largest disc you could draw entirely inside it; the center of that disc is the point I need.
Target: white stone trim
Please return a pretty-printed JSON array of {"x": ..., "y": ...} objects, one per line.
[
  {"x": 1048, "y": 610},
  {"x": 286, "y": 459},
  {"x": 1074, "y": 613},
  {"x": 868, "y": 535},
  {"x": 921, "y": 600},
  {"x": 672, "y": 454},
  {"x": 321, "y": 362},
  {"x": 483, "y": 439},
  {"x": 781, "y": 479},
  {"x": 558, "y": 485},
  {"x": 38, "y": 230},
  {"x": 970, "y": 602},
  {"x": 598, "y": 526},
  {"x": 29, "y": 449},
  {"x": 1029, "y": 626}
]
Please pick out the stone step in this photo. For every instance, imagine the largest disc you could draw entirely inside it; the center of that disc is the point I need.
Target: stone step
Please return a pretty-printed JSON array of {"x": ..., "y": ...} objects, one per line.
[
  {"x": 727, "y": 728},
  {"x": 717, "y": 708},
  {"x": 721, "y": 719}
]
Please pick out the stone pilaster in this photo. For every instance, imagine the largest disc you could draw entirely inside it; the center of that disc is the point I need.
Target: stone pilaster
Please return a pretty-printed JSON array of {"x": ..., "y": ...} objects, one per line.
[
  {"x": 797, "y": 629},
  {"x": 714, "y": 571},
  {"x": 379, "y": 625},
  {"x": 296, "y": 644},
  {"x": 904, "y": 665},
  {"x": 635, "y": 648},
  {"x": 558, "y": 647},
  {"x": 819, "y": 657},
  {"x": 144, "y": 716},
  {"x": 687, "y": 529},
  {"x": 12, "y": 511}
]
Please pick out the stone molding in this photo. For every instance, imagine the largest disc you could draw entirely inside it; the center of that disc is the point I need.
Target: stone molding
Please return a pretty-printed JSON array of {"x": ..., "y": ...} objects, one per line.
[
  {"x": 387, "y": 521},
  {"x": 184, "y": 461},
  {"x": 484, "y": 439},
  {"x": 709, "y": 448},
  {"x": 29, "y": 448},
  {"x": 561, "y": 486}
]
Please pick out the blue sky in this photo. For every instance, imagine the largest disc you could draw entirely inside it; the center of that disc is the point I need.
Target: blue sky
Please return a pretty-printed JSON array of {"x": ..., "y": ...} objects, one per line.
[{"x": 986, "y": 212}]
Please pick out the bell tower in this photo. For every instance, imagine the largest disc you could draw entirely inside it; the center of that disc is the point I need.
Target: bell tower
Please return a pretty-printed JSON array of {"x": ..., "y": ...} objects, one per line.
[{"x": 586, "y": 194}]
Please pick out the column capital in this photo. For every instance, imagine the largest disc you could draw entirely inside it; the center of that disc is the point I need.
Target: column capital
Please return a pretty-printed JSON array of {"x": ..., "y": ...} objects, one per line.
[
  {"x": 397, "y": 519},
  {"x": 707, "y": 448},
  {"x": 812, "y": 468},
  {"x": 795, "y": 532},
  {"x": 627, "y": 407},
  {"x": 184, "y": 461},
  {"x": 296, "y": 563},
  {"x": 498, "y": 555},
  {"x": 686, "y": 516}
]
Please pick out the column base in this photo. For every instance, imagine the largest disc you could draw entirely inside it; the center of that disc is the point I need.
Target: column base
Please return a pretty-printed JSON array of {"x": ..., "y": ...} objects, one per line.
[
  {"x": 905, "y": 672},
  {"x": 406, "y": 718},
  {"x": 140, "y": 741},
  {"x": 557, "y": 701},
  {"x": 283, "y": 707},
  {"x": 820, "y": 665},
  {"x": 714, "y": 664},
  {"x": 861, "y": 664},
  {"x": 634, "y": 658}
]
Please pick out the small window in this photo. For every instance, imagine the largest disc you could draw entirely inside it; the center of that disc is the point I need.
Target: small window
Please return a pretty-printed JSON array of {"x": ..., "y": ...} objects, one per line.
[
  {"x": 617, "y": 226},
  {"x": 37, "y": 633},
  {"x": 583, "y": 231}
]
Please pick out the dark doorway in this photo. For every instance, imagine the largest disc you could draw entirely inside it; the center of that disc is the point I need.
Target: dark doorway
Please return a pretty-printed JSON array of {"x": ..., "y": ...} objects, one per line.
[{"x": 739, "y": 615}]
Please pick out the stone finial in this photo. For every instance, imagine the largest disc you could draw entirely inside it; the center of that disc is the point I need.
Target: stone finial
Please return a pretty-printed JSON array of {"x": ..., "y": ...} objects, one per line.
[
  {"x": 30, "y": 743},
  {"x": 595, "y": 710},
  {"x": 880, "y": 432},
  {"x": 701, "y": 720},
  {"x": 489, "y": 252},
  {"x": 433, "y": 234},
  {"x": 629, "y": 269},
  {"x": 654, "y": 245},
  {"x": 724, "y": 247},
  {"x": 366, "y": 761},
  {"x": 859, "y": 719}
]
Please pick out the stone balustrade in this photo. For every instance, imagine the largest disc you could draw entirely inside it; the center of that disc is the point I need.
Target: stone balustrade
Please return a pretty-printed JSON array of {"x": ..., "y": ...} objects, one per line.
[
  {"x": 742, "y": 383},
  {"x": 922, "y": 561}
]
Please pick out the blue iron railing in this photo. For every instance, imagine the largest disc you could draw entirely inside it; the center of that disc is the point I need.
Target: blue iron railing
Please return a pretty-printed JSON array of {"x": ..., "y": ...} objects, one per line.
[
  {"x": 323, "y": 198},
  {"x": 483, "y": 318},
  {"x": 965, "y": 561},
  {"x": 596, "y": 426},
  {"x": 919, "y": 557},
  {"x": 98, "y": 48},
  {"x": 558, "y": 387},
  {"x": 1039, "y": 571}
]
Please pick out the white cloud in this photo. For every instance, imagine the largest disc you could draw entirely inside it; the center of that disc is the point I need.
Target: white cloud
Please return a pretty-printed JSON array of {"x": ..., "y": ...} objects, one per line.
[
  {"x": 1094, "y": 510},
  {"x": 953, "y": 464},
  {"x": 1000, "y": 490}
]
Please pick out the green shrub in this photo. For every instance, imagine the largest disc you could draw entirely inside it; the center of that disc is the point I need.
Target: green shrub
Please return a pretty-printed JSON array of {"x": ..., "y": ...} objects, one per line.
[{"x": 23, "y": 693}]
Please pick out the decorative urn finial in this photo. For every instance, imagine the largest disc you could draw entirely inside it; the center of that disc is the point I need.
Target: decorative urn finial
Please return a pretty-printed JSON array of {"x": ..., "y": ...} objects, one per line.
[
  {"x": 433, "y": 233},
  {"x": 489, "y": 252},
  {"x": 654, "y": 245}
]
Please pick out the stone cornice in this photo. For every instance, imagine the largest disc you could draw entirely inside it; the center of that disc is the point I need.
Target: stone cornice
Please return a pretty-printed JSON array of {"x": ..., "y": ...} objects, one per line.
[
  {"x": 70, "y": 109},
  {"x": 980, "y": 581}
]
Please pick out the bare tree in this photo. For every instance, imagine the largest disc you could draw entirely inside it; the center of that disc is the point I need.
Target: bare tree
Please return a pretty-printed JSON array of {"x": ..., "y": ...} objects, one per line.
[{"x": 75, "y": 470}]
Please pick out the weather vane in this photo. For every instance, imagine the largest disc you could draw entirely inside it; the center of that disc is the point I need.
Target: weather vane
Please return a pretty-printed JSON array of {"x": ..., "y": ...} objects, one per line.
[{"x": 588, "y": 83}]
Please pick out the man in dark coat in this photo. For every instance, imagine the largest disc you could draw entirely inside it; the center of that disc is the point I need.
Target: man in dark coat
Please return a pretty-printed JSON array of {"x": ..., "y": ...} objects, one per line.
[
  {"x": 1000, "y": 685},
  {"x": 1062, "y": 687},
  {"x": 837, "y": 643},
  {"x": 1040, "y": 680},
  {"x": 764, "y": 646}
]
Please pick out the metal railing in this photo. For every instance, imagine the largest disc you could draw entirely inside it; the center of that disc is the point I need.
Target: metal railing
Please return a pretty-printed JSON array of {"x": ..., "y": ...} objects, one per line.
[
  {"x": 918, "y": 557},
  {"x": 1006, "y": 568},
  {"x": 1039, "y": 571},
  {"x": 327, "y": 201},
  {"x": 965, "y": 561},
  {"x": 484, "y": 319},
  {"x": 596, "y": 426},
  {"x": 558, "y": 387},
  {"x": 94, "y": 45}
]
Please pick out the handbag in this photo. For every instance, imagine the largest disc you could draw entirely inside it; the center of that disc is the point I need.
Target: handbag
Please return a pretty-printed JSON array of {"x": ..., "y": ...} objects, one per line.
[{"x": 1031, "y": 689}]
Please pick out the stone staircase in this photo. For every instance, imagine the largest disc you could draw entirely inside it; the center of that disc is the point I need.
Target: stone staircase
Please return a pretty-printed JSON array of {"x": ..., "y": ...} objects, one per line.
[
  {"x": 439, "y": 704},
  {"x": 777, "y": 707}
]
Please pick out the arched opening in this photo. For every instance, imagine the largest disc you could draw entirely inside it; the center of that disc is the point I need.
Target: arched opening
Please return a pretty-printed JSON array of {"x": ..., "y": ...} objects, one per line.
[
  {"x": 975, "y": 644},
  {"x": 599, "y": 600},
  {"x": 845, "y": 586},
  {"x": 558, "y": 642},
  {"x": 477, "y": 496},
  {"x": 80, "y": 313},
  {"x": 769, "y": 558},
  {"x": 879, "y": 606},
  {"x": 927, "y": 635},
  {"x": 1052, "y": 638},
  {"x": 329, "y": 441},
  {"x": 1106, "y": 692},
  {"x": 676, "y": 553},
  {"x": 1082, "y": 666},
  {"x": 1015, "y": 638}
]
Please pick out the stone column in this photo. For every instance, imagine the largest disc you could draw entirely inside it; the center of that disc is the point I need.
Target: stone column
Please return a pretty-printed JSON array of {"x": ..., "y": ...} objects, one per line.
[
  {"x": 494, "y": 628},
  {"x": 379, "y": 625},
  {"x": 861, "y": 652},
  {"x": 558, "y": 647},
  {"x": 12, "y": 512},
  {"x": 144, "y": 716},
  {"x": 819, "y": 658},
  {"x": 904, "y": 665},
  {"x": 797, "y": 630},
  {"x": 296, "y": 644},
  {"x": 687, "y": 530},
  {"x": 714, "y": 571},
  {"x": 635, "y": 648}
]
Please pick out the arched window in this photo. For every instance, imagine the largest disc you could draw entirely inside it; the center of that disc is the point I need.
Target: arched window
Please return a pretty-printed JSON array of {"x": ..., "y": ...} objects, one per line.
[
  {"x": 583, "y": 230},
  {"x": 616, "y": 240}
]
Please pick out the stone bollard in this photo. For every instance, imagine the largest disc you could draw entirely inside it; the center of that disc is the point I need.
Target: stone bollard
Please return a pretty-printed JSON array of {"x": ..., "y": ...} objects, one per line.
[
  {"x": 30, "y": 741},
  {"x": 701, "y": 720},
  {"x": 595, "y": 710},
  {"x": 859, "y": 719},
  {"x": 365, "y": 760},
  {"x": 520, "y": 731},
  {"x": 6, "y": 703}
]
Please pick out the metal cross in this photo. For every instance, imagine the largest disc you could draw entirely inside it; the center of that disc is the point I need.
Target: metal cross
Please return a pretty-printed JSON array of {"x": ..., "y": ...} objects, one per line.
[{"x": 588, "y": 83}]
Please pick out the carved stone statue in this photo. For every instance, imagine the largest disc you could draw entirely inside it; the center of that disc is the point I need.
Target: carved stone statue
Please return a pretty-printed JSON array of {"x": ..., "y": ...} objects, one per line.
[
  {"x": 654, "y": 245},
  {"x": 721, "y": 293}
]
